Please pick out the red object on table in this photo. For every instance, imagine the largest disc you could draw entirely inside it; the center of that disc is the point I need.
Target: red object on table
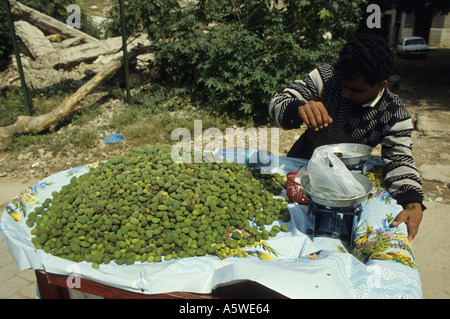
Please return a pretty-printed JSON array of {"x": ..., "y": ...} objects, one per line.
[{"x": 294, "y": 190}]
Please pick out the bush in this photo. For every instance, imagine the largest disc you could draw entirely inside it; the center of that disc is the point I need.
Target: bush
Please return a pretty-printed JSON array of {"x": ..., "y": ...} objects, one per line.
[
  {"x": 234, "y": 55},
  {"x": 5, "y": 39}
]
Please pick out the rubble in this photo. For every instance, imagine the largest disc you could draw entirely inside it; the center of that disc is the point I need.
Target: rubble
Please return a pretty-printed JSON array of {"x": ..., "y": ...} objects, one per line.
[
  {"x": 34, "y": 39},
  {"x": 46, "y": 23},
  {"x": 51, "y": 52}
]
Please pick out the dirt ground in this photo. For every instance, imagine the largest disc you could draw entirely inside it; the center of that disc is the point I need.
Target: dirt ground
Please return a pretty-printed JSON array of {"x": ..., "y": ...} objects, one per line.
[{"x": 424, "y": 87}]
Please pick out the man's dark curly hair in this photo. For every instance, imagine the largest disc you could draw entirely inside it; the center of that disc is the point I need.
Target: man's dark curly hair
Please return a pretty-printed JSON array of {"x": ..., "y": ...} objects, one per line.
[{"x": 368, "y": 56}]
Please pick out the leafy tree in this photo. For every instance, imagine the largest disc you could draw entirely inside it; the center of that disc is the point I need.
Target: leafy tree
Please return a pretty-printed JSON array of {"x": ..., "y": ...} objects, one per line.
[
  {"x": 235, "y": 54},
  {"x": 5, "y": 40}
]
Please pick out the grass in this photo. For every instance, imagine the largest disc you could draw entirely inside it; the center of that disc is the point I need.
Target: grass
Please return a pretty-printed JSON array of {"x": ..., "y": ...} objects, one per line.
[
  {"x": 13, "y": 105},
  {"x": 148, "y": 120},
  {"x": 82, "y": 138},
  {"x": 34, "y": 141}
]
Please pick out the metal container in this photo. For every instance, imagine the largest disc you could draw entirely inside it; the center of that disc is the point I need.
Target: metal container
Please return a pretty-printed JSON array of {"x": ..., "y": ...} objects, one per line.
[
  {"x": 337, "y": 203},
  {"x": 351, "y": 154}
]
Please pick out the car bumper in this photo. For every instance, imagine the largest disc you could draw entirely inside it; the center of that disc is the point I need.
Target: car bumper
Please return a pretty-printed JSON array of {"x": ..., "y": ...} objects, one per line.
[{"x": 415, "y": 52}]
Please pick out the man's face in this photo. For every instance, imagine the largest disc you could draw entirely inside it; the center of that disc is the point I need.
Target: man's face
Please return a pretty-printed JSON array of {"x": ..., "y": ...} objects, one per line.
[{"x": 359, "y": 91}]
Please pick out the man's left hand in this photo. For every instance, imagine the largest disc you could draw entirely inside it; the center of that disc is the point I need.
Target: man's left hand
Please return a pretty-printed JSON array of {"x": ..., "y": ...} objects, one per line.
[{"x": 411, "y": 215}]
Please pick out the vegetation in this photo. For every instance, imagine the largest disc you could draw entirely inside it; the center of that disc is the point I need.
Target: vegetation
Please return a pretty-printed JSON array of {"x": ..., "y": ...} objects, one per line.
[
  {"x": 233, "y": 55},
  {"x": 227, "y": 58}
]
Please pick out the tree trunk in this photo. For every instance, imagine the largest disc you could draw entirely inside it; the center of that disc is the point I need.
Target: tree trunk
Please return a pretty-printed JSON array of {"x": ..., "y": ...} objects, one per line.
[{"x": 25, "y": 124}]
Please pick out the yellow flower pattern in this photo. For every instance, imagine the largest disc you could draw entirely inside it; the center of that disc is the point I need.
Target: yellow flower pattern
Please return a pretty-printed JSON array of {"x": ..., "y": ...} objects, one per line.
[
  {"x": 27, "y": 199},
  {"x": 382, "y": 242}
]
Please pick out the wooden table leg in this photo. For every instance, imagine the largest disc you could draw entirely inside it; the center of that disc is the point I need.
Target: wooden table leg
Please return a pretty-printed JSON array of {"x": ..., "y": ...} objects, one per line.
[{"x": 49, "y": 291}]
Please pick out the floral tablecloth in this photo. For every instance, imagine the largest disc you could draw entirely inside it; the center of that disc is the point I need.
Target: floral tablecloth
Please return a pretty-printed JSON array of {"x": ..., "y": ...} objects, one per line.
[{"x": 378, "y": 264}]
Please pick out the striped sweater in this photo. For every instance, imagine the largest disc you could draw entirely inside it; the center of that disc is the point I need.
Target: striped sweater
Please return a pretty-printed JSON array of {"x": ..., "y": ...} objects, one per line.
[{"x": 387, "y": 122}]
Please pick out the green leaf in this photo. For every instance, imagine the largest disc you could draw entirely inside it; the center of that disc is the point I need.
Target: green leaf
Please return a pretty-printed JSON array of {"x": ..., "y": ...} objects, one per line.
[{"x": 324, "y": 13}]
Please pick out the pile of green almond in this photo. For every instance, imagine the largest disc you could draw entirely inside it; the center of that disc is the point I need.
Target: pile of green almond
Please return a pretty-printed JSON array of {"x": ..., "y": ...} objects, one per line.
[{"x": 144, "y": 207}]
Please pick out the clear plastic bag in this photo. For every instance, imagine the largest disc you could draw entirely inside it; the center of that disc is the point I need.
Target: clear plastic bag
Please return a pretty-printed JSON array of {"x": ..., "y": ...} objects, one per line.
[
  {"x": 302, "y": 172},
  {"x": 329, "y": 177}
]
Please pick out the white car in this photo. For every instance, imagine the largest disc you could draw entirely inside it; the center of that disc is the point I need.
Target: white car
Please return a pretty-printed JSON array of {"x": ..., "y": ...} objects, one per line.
[{"x": 412, "y": 46}]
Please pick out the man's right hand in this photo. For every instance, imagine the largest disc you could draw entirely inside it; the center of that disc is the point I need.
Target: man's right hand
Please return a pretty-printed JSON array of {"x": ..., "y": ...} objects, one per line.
[{"x": 314, "y": 115}]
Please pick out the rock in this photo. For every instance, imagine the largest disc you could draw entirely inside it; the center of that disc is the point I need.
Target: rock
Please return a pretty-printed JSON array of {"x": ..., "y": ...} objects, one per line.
[
  {"x": 34, "y": 39},
  {"x": 38, "y": 78},
  {"x": 35, "y": 165},
  {"x": 144, "y": 60},
  {"x": 54, "y": 37},
  {"x": 47, "y": 156},
  {"x": 435, "y": 173},
  {"x": 80, "y": 53},
  {"x": 69, "y": 43},
  {"x": 104, "y": 59},
  {"x": 46, "y": 23},
  {"x": 12, "y": 165},
  {"x": 21, "y": 157},
  {"x": 432, "y": 196},
  {"x": 89, "y": 51}
]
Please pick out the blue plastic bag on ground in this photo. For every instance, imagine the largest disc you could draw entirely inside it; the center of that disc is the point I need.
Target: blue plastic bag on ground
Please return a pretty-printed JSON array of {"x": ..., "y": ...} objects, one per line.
[{"x": 113, "y": 139}]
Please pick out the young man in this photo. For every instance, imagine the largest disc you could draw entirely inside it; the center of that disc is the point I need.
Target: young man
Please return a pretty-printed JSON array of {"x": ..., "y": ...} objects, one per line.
[{"x": 349, "y": 102}]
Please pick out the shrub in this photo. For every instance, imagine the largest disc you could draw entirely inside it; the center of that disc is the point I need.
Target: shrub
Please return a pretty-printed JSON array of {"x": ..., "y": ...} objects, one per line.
[{"x": 234, "y": 55}]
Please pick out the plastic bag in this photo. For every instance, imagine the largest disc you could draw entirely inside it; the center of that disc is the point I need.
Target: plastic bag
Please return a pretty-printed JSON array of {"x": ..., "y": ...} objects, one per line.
[
  {"x": 257, "y": 158},
  {"x": 302, "y": 172},
  {"x": 113, "y": 139},
  {"x": 330, "y": 178}
]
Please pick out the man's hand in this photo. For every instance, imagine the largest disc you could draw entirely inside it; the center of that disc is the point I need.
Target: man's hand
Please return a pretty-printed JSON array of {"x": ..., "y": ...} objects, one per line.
[
  {"x": 411, "y": 215},
  {"x": 314, "y": 115}
]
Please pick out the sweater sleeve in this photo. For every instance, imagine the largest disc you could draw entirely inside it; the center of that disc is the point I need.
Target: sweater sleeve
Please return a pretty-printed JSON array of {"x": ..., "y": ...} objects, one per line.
[
  {"x": 284, "y": 105},
  {"x": 400, "y": 173}
]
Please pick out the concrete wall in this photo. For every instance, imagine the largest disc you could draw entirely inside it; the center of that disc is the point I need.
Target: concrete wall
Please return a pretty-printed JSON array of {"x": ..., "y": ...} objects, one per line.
[
  {"x": 406, "y": 25},
  {"x": 440, "y": 31},
  {"x": 439, "y": 35}
]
